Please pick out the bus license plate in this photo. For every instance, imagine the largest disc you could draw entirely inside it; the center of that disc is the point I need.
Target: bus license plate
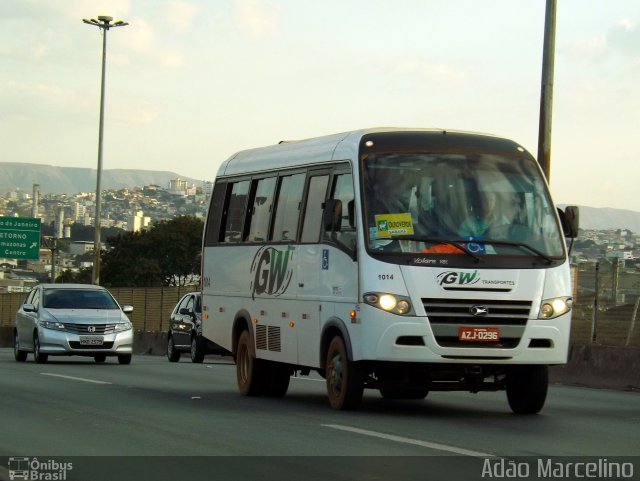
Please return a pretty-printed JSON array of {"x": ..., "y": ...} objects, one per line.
[
  {"x": 486, "y": 334},
  {"x": 91, "y": 340}
]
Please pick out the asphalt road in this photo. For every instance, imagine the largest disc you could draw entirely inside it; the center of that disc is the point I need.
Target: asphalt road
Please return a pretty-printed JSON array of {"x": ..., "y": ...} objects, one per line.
[{"x": 181, "y": 414}]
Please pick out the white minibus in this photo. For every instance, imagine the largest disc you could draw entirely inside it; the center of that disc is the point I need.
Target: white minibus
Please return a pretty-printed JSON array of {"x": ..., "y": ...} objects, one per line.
[{"x": 400, "y": 260}]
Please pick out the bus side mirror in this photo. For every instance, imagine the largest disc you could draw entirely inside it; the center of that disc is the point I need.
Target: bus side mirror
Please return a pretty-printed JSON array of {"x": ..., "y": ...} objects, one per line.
[
  {"x": 352, "y": 213},
  {"x": 332, "y": 217},
  {"x": 570, "y": 219}
]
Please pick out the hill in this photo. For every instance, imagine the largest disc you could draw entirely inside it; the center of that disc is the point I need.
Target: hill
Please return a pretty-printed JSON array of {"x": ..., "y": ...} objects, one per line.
[{"x": 71, "y": 180}]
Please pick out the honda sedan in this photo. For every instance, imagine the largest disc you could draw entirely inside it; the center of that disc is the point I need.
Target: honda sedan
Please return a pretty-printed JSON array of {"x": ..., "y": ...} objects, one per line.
[{"x": 72, "y": 319}]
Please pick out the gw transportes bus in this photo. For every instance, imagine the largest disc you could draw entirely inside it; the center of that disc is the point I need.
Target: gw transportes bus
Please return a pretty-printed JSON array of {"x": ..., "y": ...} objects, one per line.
[{"x": 405, "y": 261}]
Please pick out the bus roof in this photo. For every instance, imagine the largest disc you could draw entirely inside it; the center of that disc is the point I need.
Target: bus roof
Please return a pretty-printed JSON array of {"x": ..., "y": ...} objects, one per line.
[{"x": 318, "y": 150}]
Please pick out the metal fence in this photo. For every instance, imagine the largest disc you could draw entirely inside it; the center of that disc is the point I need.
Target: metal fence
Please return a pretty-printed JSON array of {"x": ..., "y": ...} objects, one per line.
[
  {"x": 152, "y": 306},
  {"x": 606, "y": 305}
]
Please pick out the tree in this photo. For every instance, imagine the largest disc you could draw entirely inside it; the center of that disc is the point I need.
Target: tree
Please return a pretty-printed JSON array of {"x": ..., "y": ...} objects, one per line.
[
  {"x": 83, "y": 276},
  {"x": 168, "y": 254}
]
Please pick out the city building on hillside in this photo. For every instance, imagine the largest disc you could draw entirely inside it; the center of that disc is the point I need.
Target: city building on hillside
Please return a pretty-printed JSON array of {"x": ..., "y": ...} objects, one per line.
[
  {"x": 79, "y": 248},
  {"x": 137, "y": 221}
]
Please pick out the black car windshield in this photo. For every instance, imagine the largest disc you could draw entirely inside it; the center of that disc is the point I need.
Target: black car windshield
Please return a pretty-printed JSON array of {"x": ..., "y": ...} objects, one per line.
[
  {"x": 78, "y": 299},
  {"x": 490, "y": 204}
]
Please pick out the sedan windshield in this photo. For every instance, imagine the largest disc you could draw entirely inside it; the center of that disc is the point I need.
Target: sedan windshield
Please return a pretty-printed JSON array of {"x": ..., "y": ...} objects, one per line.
[
  {"x": 446, "y": 203},
  {"x": 78, "y": 299}
]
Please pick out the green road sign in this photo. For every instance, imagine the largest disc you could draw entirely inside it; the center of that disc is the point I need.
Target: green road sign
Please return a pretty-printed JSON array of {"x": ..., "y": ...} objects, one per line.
[{"x": 19, "y": 238}]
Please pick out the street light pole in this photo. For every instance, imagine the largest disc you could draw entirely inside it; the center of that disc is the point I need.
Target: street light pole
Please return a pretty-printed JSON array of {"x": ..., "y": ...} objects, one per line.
[
  {"x": 546, "y": 89},
  {"x": 104, "y": 24}
]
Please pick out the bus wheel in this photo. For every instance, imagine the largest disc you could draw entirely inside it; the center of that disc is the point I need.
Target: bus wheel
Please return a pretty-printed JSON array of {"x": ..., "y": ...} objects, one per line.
[
  {"x": 249, "y": 372},
  {"x": 277, "y": 380},
  {"x": 345, "y": 381},
  {"x": 527, "y": 388}
]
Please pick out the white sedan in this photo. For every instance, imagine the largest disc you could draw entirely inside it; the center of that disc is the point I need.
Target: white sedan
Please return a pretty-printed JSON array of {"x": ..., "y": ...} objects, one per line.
[{"x": 72, "y": 319}]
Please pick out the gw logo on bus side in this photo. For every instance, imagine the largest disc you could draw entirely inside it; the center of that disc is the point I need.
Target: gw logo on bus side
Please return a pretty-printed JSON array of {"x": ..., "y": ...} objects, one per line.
[
  {"x": 272, "y": 272},
  {"x": 461, "y": 278}
]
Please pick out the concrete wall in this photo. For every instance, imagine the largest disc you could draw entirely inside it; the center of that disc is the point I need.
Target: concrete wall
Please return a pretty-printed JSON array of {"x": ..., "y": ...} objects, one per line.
[{"x": 608, "y": 367}]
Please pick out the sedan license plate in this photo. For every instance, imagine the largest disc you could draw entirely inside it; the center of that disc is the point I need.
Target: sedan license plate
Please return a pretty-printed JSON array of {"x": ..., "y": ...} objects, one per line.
[
  {"x": 91, "y": 340},
  {"x": 479, "y": 334}
]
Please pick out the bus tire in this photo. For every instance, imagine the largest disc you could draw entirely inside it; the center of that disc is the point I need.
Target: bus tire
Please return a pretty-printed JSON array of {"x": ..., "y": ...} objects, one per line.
[
  {"x": 345, "y": 380},
  {"x": 527, "y": 388},
  {"x": 278, "y": 380},
  {"x": 249, "y": 370}
]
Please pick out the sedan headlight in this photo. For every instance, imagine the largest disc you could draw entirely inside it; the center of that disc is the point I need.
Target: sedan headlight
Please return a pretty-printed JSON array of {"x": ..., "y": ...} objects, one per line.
[
  {"x": 122, "y": 326},
  {"x": 550, "y": 308},
  {"x": 58, "y": 326},
  {"x": 395, "y": 304}
]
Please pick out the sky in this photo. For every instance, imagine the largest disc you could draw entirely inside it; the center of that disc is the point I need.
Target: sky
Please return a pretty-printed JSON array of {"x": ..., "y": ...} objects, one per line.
[{"x": 190, "y": 82}]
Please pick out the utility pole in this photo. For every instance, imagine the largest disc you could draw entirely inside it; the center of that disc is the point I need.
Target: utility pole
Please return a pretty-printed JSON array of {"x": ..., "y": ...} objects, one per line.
[
  {"x": 546, "y": 92},
  {"x": 596, "y": 296},
  {"x": 104, "y": 24}
]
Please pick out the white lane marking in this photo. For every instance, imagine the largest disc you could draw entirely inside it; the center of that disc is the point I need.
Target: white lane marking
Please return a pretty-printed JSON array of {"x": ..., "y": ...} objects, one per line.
[
  {"x": 74, "y": 378},
  {"x": 307, "y": 379},
  {"x": 415, "y": 442}
]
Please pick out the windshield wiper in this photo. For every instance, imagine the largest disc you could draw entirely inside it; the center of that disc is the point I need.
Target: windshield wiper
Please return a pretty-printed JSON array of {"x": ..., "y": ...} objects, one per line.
[
  {"x": 521, "y": 245},
  {"x": 458, "y": 244}
]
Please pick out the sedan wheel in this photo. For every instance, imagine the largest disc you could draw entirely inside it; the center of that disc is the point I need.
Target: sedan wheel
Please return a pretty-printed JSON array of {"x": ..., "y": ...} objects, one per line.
[
  {"x": 197, "y": 354},
  {"x": 124, "y": 358},
  {"x": 19, "y": 355},
  {"x": 172, "y": 353},
  {"x": 38, "y": 356}
]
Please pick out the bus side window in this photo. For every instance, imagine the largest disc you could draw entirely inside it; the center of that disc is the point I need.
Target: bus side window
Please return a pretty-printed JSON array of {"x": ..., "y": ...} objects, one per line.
[
  {"x": 212, "y": 230},
  {"x": 235, "y": 211},
  {"x": 313, "y": 212},
  {"x": 289, "y": 198},
  {"x": 261, "y": 211},
  {"x": 342, "y": 190}
]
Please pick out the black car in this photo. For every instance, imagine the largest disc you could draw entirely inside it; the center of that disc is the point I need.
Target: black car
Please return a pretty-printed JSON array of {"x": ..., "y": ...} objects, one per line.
[{"x": 185, "y": 331}]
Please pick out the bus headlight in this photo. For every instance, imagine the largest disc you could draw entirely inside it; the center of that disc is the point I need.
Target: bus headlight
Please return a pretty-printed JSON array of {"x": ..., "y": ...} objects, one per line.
[
  {"x": 395, "y": 304},
  {"x": 550, "y": 308},
  {"x": 388, "y": 302}
]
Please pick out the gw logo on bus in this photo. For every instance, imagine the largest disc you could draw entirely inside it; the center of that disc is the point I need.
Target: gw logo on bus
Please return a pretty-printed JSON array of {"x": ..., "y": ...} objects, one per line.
[
  {"x": 461, "y": 278},
  {"x": 272, "y": 271}
]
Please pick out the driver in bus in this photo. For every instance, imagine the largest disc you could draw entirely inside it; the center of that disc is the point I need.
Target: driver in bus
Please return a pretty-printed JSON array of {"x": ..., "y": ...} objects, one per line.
[{"x": 485, "y": 214}]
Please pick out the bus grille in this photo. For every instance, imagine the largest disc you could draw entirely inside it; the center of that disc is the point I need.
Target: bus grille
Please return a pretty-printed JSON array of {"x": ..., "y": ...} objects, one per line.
[{"x": 446, "y": 316}]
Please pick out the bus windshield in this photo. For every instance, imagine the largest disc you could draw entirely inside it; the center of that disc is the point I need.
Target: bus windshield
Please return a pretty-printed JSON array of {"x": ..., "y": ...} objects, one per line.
[{"x": 445, "y": 203}]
